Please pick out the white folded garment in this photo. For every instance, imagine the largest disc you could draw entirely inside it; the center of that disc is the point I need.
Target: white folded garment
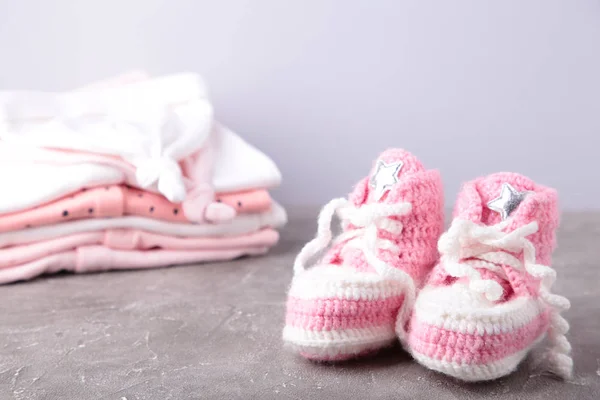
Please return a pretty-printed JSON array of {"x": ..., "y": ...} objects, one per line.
[
  {"x": 152, "y": 124},
  {"x": 241, "y": 224}
]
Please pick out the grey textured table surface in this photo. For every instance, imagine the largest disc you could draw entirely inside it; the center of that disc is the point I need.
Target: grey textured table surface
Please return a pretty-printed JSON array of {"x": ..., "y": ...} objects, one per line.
[{"x": 213, "y": 331}]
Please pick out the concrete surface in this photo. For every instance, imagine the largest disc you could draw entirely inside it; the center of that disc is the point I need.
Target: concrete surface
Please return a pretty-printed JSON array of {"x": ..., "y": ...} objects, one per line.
[{"x": 213, "y": 331}]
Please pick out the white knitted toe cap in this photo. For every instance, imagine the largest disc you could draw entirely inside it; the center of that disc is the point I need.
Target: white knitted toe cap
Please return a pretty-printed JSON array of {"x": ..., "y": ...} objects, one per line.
[
  {"x": 457, "y": 309},
  {"x": 327, "y": 281}
]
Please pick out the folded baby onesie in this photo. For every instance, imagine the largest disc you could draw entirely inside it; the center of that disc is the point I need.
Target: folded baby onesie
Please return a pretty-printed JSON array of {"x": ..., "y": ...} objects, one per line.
[
  {"x": 99, "y": 258},
  {"x": 120, "y": 200},
  {"x": 133, "y": 239},
  {"x": 241, "y": 224},
  {"x": 248, "y": 201}
]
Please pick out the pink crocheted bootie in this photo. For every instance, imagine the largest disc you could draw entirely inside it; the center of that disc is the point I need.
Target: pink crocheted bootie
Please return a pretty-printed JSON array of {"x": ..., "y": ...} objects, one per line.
[
  {"x": 488, "y": 301},
  {"x": 347, "y": 304}
]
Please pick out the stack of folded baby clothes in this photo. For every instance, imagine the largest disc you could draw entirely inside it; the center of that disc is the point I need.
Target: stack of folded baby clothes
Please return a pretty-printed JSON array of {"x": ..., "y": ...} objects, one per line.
[{"x": 129, "y": 173}]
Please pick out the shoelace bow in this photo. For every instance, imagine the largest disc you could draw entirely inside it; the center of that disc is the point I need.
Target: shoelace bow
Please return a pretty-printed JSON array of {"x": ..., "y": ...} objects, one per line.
[
  {"x": 367, "y": 220},
  {"x": 489, "y": 246}
]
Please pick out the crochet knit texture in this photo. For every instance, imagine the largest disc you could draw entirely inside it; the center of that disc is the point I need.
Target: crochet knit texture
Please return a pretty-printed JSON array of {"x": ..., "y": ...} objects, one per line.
[
  {"x": 349, "y": 302},
  {"x": 488, "y": 301}
]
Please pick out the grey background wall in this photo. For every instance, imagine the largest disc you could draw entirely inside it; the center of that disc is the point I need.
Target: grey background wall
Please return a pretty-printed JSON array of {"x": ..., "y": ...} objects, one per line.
[{"x": 323, "y": 86}]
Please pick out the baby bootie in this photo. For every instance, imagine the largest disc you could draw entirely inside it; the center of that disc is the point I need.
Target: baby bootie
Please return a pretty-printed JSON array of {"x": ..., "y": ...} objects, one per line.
[
  {"x": 348, "y": 303},
  {"x": 488, "y": 301}
]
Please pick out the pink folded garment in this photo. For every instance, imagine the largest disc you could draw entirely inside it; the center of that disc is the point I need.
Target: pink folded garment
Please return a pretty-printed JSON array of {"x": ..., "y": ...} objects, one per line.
[
  {"x": 98, "y": 258},
  {"x": 133, "y": 239},
  {"x": 242, "y": 224},
  {"x": 120, "y": 200},
  {"x": 249, "y": 201}
]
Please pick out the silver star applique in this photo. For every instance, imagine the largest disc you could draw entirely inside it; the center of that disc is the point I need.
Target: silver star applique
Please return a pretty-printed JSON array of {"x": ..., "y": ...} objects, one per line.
[
  {"x": 385, "y": 176},
  {"x": 509, "y": 200}
]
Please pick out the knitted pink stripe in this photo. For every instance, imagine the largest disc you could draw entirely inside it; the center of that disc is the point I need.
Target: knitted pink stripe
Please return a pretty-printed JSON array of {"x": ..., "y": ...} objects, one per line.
[
  {"x": 317, "y": 323},
  {"x": 464, "y": 348},
  {"x": 341, "y": 307},
  {"x": 335, "y": 314}
]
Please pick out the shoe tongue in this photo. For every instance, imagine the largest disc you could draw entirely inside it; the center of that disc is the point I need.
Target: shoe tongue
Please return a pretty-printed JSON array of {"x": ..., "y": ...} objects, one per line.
[
  {"x": 486, "y": 200},
  {"x": 387, "y": 174},
  {"x": 500, "y": 195}
]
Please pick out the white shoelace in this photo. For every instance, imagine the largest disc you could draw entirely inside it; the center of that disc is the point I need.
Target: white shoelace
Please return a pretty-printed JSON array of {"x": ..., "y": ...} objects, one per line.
[
  {"x": 490, "y": 246},
  {"x": 367, "y": 219}
]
